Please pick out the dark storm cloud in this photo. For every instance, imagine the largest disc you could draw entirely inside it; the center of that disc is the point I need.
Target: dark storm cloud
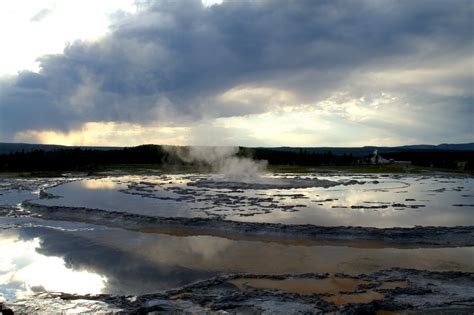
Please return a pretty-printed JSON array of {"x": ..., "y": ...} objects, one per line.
[{"x": 169, "y": 61}]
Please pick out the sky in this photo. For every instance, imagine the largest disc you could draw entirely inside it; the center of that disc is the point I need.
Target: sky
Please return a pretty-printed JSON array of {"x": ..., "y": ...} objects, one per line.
[{"x": 241, "y": 72}]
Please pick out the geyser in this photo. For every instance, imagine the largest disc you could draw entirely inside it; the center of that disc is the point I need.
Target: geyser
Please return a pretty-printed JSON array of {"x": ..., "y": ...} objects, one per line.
[{"x": 223, "y": 160}]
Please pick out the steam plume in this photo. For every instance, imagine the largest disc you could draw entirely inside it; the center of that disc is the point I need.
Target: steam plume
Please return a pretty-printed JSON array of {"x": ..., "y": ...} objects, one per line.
[{"x": 224, "y": 161}]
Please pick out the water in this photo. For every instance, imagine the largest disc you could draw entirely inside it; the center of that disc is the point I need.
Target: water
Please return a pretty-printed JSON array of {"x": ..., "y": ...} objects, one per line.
[
  {"x": 343, "y": 290},
  {"x": 302, "y": 286},
  {"x": 375, "y": 201},
  {"x": 40, "y": 255}
]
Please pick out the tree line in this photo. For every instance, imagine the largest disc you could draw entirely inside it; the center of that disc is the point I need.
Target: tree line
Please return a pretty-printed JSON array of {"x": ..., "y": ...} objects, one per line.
[{"x": 79, "y": 159}]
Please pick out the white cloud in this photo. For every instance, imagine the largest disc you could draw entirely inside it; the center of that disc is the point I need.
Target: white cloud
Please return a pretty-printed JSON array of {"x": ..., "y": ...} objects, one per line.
[
  {"x": 238, "y": 73},
  {"x": 209, "y": 3},
  {"x": 28, "y": 33}
]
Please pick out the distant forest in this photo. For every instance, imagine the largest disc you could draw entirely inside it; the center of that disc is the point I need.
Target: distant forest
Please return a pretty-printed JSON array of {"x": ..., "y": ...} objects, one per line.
[{"x": 86, "y": 159}]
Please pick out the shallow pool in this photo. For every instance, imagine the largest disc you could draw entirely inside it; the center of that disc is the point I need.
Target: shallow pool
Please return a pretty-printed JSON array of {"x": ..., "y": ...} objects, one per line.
[{"x": 351, "y": 200}]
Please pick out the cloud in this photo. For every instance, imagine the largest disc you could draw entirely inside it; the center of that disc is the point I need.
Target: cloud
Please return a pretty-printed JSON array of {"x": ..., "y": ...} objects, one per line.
[
  {"x": 41, "y": 15},
  {"x": 180, "y": 63}
]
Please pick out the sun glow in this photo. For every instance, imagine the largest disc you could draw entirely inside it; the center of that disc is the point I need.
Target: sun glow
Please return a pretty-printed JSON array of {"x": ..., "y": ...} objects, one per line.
[
  {"x": 106, "y": 134},
  {"x": 290, "y": 123}
]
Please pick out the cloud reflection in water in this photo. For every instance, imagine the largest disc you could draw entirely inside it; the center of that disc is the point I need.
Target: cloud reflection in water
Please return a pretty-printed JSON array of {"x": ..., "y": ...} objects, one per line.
[{"x": 23, "y": 271}]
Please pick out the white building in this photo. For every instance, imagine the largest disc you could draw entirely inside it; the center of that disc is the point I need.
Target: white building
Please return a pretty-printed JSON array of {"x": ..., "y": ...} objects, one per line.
[{"x": 378, "y": 159}]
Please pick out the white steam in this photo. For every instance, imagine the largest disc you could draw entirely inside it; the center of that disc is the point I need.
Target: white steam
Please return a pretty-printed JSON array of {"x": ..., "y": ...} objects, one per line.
[
  {"x": 223, "y": 161},
  {"x": 237, "y": 169}
]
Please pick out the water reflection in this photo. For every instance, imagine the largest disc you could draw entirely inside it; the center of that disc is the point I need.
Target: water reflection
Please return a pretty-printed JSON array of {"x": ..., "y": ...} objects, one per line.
[
  {"x": 24, "y": 270},
  {"x": 121, "y": 262},
  {"x": 14, "y": 190},
  {"x": 108, "y": 194},
  {"x": 102, "y": 185},
  {"x": 125, "y": 262},
  {"x": 377, "y": 201},
  {"x": 13, "y": 197}
]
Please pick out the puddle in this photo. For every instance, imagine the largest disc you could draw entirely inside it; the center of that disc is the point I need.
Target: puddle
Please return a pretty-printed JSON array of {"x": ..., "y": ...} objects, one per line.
[
  {"x": 358, "y": 200},
  {"x": 357, "y": 298},
  {"x": 14, "y": 190},
  {"x": 342, "y": 290},
  {"x": 302, "y": 286},
  {"x": 108, "y": 194},
  {"x": 75, "y": 257}
]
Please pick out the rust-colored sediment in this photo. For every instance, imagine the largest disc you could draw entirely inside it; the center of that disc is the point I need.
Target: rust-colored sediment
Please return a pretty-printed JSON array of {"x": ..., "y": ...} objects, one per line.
[
  {"x": 340, "y": 288},
  {"x": 357, "y": 298},
  {"x": 302, "y": 286}
]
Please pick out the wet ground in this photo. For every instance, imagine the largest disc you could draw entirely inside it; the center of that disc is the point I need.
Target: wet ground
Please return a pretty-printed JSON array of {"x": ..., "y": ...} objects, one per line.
[{"x": 107, "y": 236}]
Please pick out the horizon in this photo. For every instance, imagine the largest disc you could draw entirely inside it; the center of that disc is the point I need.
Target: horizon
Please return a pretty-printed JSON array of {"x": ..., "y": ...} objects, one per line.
[
  {"x": 237, "y": 73},
  {"x": 283, "y": 146}
]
